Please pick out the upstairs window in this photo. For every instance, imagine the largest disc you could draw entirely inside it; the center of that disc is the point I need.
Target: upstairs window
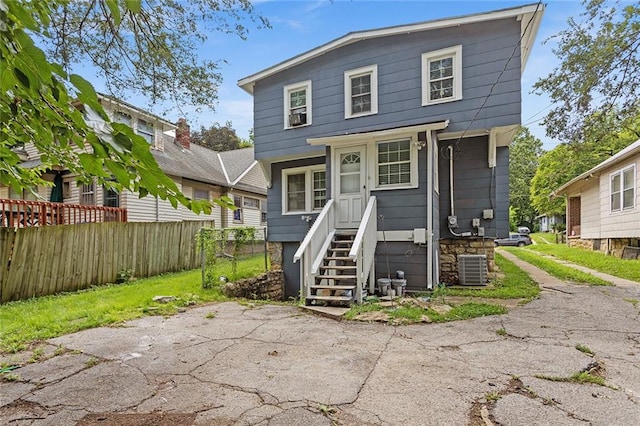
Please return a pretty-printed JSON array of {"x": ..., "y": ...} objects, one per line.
[
  {"x": 122, "y": 117},
  {"x": 200, "y": 194},
  {"x": 361, "y": 92},
  {"x": 252, "y": 203},
  {"x": 304, "y": 189},
  {"x": 623, "y": 189},
  {"x": 297, "y": 105},
  {"x": 145, "y": 129},
  {"x": 442, "y": 75}
]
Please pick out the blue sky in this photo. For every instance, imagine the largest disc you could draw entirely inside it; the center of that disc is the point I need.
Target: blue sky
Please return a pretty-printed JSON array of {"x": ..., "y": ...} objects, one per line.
[{"x": 299, "y": 25}]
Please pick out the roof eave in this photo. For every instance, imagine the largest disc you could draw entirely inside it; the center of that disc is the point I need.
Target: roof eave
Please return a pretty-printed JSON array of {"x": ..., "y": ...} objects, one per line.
[{"x": 534, "y": 11}]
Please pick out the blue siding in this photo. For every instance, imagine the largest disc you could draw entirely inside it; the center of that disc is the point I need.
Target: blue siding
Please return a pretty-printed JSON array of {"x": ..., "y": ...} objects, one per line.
[
  {"x": 485, "y": 48},
  {"x": 476, "y": 187},
  {"x": 286, "y": 227}
]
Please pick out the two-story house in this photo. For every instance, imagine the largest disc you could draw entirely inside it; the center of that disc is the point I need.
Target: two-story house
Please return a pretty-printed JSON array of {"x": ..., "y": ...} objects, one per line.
[{"x": 388, "y": 150}]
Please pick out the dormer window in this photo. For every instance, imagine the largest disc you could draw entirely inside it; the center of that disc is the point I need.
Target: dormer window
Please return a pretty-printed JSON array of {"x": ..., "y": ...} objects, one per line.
[
  {"x": 124, "y": 118},
  {"x": 145, "y": 129},
  {"x": 297, "y": 104},
  {"x": 442, "y": 76},
  {"x": 361, "y": 92}
]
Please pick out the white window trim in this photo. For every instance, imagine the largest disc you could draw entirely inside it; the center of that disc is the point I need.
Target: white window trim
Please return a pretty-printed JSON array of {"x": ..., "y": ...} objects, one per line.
[
  {"x": 348, "y": 75},
  {"x": 620, "y": 173},
  {"x": 308, "y": 189},
  {"x": 456, "y": 53},
  {"x": 144, "y": 133},
  {"x": 287, "y": 105},
  {"x": 413, "y": 183}
]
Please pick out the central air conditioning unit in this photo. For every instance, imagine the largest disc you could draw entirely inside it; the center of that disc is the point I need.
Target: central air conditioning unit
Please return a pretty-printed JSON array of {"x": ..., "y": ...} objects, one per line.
[
  {"x": 472, "y": 269},
  {"x": 297, "y": 119}
]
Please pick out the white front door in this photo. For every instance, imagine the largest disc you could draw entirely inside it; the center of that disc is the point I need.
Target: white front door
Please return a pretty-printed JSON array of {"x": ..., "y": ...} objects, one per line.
[{"x": 350, "y": 178}]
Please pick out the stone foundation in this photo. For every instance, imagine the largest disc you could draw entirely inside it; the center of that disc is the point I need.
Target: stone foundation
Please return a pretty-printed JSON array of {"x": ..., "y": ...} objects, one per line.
[
  {"x": 275, "y": 255},
  {"x": 450, "y": 248},
  {"x": 268, "y": 286},
  {"x": 608, "y": 246}
]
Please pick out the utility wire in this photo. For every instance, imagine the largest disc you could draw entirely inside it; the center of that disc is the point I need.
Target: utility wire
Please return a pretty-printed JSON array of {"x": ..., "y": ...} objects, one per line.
[{"x": 515, "y": 49}]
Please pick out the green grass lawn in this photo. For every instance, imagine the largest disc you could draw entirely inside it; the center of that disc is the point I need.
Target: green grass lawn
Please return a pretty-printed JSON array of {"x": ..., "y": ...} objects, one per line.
[
  {"x": 544, "y": 238},
  {"x": 628, "y": 269},
  {"x": 513, "y": 284},
  {"x": 42, "y": 318},
  {"x": 556, "y": 269}
]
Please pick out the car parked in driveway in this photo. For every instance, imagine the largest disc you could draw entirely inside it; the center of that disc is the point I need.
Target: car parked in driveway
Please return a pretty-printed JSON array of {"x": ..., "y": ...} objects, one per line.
[{"x": 515, "y": 240}]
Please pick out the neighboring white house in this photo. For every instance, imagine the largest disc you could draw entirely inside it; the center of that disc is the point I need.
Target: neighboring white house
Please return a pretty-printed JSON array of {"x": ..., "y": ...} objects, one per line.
[
  {"x": 199, "y": 172},
  {"x": 603, "y": 205}
]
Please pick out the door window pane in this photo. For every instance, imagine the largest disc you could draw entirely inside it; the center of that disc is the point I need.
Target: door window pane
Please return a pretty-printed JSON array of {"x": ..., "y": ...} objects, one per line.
[{"x": 349, "y": 173}]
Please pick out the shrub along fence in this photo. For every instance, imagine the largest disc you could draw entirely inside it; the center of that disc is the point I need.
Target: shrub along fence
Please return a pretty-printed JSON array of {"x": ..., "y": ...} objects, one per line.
[{"x": 38, "y": 261}]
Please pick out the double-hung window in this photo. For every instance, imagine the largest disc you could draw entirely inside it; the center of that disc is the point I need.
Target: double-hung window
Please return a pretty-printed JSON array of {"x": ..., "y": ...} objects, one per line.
[
  {"x": 442, "y": 75},
  {"x": 297, "y": 104},
  {"x": 145, "y": 129},
  {"x": 200, "y": 194},
  {"x": 122, "y": 117},
  {"x": 304, "y": 189},
  {"x": 237, "y": 213},
  {"x": 623, "y": 189},
  {"x": 396, "y": 164},
  {"x": 88, "y": 193},
  {"x": 361, "y": 92}
]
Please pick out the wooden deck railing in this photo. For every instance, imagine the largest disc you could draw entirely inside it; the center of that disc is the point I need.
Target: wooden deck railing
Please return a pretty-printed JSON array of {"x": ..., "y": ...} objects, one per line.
[{"x": 24, "y": 213}]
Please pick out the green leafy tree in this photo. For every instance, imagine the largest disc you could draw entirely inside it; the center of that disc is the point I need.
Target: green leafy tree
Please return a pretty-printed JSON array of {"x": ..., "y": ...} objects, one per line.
[
  {"x": 524, "y": 152},
  {"x": 596, "y": 87},
  {"x": 217, "y": 137},
  {"x": 41, "y": 102}
]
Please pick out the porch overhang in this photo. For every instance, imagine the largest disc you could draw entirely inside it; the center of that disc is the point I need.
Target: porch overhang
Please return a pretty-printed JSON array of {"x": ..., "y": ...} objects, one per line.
[
  {"x": 349, "y": 138},
  {"x": 500, "y": 136}
]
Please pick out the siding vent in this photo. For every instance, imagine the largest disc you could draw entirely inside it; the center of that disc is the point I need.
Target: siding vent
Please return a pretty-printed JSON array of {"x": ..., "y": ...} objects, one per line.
[{"x": 472, "y": 269}]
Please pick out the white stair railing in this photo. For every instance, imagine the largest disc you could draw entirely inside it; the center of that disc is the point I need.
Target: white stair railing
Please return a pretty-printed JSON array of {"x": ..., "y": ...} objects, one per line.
[
  {"x": 312, "y": 247},
  {"x": 363, "y": 249}
]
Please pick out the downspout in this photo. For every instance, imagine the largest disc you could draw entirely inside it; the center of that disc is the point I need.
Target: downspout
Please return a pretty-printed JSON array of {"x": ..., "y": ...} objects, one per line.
[{"x": 430, "y": 190}]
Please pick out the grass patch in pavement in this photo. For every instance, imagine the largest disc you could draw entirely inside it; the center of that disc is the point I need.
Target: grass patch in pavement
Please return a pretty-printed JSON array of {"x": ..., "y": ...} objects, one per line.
[
  {"x": 46, "y": 317},
  {"x": 563, "y": 272},
  {"x": 513, "y": 283},
  {"x": 623, "y": 268},
  {"x": 407, "y": 314}
]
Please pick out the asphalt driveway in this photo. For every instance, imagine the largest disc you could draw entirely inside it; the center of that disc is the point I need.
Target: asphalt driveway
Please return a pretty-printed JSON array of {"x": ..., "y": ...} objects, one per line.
[{"x": 276, "y": 365}]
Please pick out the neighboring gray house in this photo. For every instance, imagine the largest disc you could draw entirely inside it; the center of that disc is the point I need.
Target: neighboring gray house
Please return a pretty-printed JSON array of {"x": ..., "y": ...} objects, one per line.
[{"x": 387, "y": 150}]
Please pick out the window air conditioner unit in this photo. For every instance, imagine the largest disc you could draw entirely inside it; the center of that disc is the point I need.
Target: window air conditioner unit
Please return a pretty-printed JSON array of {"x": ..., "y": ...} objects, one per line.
[
  {"x": 472, "y": 269},
  {"x": 297, "y": 119}
]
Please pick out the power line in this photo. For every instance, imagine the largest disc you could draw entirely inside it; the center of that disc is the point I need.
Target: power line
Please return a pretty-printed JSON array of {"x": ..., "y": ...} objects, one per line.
[{"x": 515, "y": 49}]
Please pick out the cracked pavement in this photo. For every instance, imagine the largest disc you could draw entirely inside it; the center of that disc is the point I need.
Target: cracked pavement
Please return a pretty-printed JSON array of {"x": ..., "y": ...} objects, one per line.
[{"x": 276, "y": 365}]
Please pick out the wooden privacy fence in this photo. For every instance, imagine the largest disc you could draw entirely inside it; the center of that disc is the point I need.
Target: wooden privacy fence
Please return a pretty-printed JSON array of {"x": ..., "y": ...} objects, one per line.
[{"x": 38, "y": 261}]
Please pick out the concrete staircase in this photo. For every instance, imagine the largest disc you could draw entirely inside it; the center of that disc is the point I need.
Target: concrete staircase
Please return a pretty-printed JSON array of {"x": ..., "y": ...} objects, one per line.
[{"x": 336, "y": 281}]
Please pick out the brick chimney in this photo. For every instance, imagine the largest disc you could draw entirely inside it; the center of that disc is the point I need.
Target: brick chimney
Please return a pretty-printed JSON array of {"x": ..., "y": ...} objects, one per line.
[{"x": 183, "y": 134}]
